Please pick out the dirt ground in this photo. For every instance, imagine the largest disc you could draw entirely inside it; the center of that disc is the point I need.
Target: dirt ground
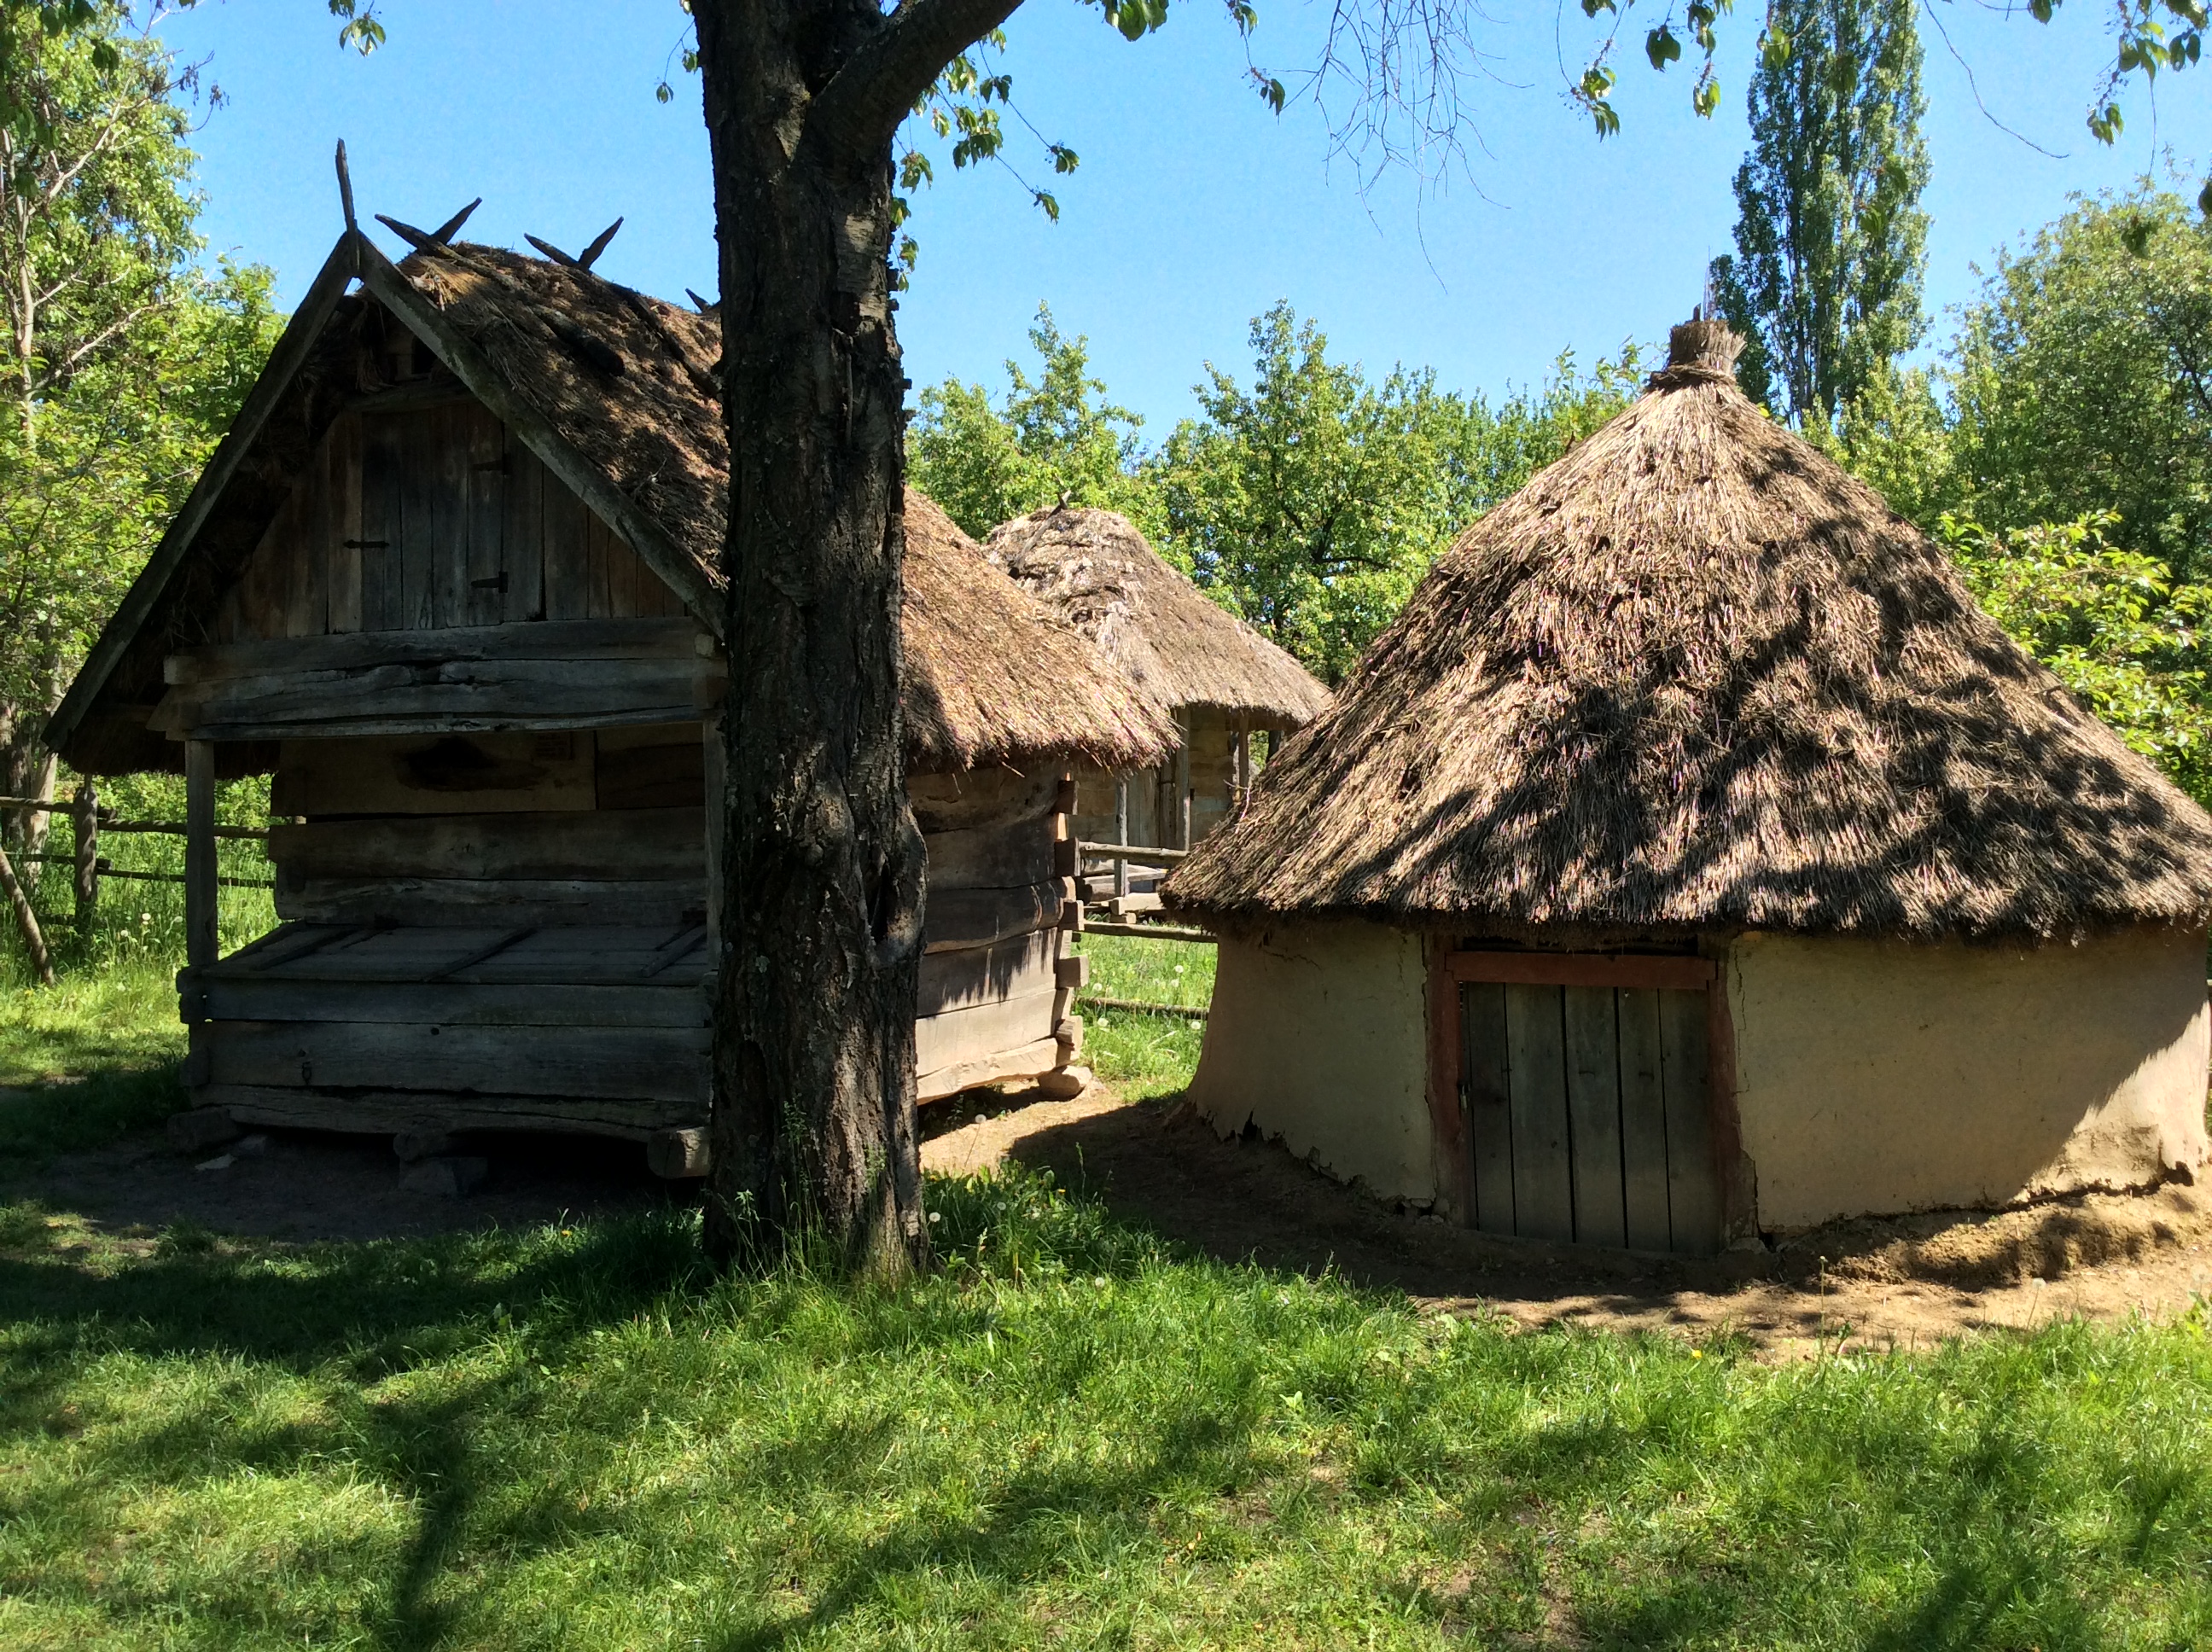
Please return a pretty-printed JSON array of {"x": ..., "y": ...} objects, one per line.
[{"x": 1904, "y": 1283}]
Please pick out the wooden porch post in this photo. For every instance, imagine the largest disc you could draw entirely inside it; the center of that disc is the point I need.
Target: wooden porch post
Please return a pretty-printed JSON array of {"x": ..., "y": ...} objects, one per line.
[
  {"x": 1187, "y": 723},
  {"x": 1120, "y": 834},
  {"x": 84, "y": 814},
  {"x": 201, "y": 944}
]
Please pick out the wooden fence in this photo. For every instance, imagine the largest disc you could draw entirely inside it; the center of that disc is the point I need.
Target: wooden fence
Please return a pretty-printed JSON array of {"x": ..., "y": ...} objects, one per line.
[{"x": 89, "y": 867}]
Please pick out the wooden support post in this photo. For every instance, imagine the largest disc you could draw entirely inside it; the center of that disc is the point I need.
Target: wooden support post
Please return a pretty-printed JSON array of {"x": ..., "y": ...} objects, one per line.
[
  {"x": 1186, "y": 722},
  {"x": 201, "y": 945},
  {"x": 84, "y": 813},
  {"x": 715, "y": 759},
  {"x": 1122, "y": 833},
  {"x": 34, "y": 943}
]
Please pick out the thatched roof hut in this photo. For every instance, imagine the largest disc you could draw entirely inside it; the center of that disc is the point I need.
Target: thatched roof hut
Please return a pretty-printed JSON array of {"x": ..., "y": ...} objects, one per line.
[
  {"x": 1094, "y": 569},
  {"x": 1696, "y": 690},
  {"x": 453, "y": 580},
  {"x": 1225, "y": 681}
]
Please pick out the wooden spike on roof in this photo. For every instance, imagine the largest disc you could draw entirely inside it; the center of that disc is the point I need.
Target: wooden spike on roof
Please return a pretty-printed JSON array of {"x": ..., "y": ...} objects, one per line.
[
  {"x": 590, "y": 255},
  {"x": 445, "y": 231},
  {"x": 552, "y": 252}
]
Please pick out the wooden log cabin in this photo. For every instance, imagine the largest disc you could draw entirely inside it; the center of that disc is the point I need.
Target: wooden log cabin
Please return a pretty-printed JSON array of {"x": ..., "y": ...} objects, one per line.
[
  {"x": 449, "y": 580},
  {"x": 1224, "y": 682}
]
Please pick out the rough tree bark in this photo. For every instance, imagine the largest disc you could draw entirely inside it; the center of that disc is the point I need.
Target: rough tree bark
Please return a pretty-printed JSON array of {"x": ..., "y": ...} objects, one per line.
[{"x": 814, "y": 1130}]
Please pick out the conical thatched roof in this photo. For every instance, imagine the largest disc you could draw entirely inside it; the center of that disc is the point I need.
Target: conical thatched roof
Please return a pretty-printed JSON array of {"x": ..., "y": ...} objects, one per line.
[
  {"x": 1096, "y": 570},
  {"x": 1695, "y": 675},
  {"x": 991, "y": 675}
]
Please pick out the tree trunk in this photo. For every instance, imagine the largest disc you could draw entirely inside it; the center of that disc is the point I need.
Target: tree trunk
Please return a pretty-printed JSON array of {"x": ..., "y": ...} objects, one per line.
[{"x": 814, "y": 1137}]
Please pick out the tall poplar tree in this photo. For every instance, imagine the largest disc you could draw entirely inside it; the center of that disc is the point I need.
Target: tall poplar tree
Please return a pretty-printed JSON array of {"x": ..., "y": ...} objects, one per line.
[{"x": 1831, "y": 241}]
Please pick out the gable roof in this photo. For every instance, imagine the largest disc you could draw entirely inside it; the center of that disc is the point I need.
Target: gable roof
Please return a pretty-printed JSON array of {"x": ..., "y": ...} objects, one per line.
[
  {"x": 1694, "y": 675},
  {"x": 616, "y": 393},
  {"x": 1094, "y": 569}
]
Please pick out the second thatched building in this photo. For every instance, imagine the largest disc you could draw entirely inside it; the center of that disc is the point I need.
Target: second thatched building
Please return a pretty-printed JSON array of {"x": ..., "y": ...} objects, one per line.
[{"x": 1693, "y": 855}]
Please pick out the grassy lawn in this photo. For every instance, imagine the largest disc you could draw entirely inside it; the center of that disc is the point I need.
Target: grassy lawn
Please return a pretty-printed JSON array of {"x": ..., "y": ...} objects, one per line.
[
  {"x": 1070, "y": 1434},
  {"x": 1145, "y": 1054}
]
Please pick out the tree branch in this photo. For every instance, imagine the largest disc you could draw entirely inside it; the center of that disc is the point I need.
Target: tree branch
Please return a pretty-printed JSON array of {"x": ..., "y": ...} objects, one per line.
[{"x": 858, "y": 113}]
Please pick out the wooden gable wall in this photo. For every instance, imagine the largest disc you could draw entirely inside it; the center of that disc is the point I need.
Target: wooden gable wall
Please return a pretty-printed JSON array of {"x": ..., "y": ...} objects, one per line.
[{"x": 427, "y": 518}]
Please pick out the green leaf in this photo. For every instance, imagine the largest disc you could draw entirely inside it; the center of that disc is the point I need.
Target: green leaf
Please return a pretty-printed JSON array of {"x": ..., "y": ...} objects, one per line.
[{"x": 1662, "y": 48}]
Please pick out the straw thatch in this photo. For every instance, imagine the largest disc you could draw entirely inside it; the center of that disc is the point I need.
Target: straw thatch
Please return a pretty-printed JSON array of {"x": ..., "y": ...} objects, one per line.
[
  {"x": 1094, "y": 569},
  {"x": 629, "y": 386},
  {"x": 1694, "y": 676},
  {"x": 992, "y": 676}
]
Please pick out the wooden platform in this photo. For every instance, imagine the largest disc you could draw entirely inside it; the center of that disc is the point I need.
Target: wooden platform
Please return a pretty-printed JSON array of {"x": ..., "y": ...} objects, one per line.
[{"x": 600, "y": 1029}]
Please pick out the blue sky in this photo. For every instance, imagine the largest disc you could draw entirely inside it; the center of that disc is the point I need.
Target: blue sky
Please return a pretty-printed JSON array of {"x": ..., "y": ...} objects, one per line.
[{"x": 1194, "y": 207}]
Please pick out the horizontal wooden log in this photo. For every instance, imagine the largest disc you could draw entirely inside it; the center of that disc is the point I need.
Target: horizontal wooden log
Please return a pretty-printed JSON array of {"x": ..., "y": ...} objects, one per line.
[
  {"x": 1013, "y": 968},
  {"x": 537, "y": 640},
  {"x": 1029, "y": 1061},
  {"x": 953, "y": 919},
  {"x": 990, "y": 857},
  {"x": 1582, "y": 969},
  {"x": 652, "y": 844},
  {"x": 1134, "y": 852},
  {"x": 389, "y": 1112},
  {"x": 967, "y": 799},
  {"x": 651, "y": 1063},
  {"x": 456, "y": 694},
  {"x": 1145, "y": 1007},
  {"x": 985, "y": 1030},
  {"x": 453, "y": 901},
  {"x": 447, "y": 1003},
  {"x": 436, "y": 774},
  {"x": 1150, "y": 933}
]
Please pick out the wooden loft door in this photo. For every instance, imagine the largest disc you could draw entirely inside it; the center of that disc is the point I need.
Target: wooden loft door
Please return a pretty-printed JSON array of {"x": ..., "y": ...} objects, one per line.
[{"x": 1576, "y": 1100}]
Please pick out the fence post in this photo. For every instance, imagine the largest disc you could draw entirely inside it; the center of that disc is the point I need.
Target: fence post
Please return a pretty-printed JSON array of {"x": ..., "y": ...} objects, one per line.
[
  {"x": 27, "y": 920},
  {"x": 84, "y": 813},
  {"x": 201, "y": 945}
]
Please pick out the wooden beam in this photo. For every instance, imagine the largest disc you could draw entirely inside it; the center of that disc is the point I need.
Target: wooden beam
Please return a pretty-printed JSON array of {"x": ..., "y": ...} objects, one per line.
[
  {"x": 1134, "y": 852},
  {"x": 26, "y": 919},
  {"x": 291, "y": 353},
  {"x": 609, "y": 1064},
  {"x": 656, "y": 844},
  {"x": 660, "y": 639},
  {"x": 1150, "y": 932},
  {"x": 201, "y": 945},
  {"x": 390, "y": 1111},
  {"x": 445, "y": 901},
  {"x": 276, "y": 996},
  {"x": 1028, "y": 1061},
  {"x": 488, "y": 695},
  {"x": 1581, "y": 969}
]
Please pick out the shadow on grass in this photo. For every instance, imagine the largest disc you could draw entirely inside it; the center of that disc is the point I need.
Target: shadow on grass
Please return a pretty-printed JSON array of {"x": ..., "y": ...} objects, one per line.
[{"x": 88, "y": 1112}]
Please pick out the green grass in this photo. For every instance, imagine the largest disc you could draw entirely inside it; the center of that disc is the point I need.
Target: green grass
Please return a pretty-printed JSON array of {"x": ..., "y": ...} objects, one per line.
[
  {"x": 569, "y": 1437},
  {"x": 1145, "y": 1054},
  {"x": 89, "y": 1058}
]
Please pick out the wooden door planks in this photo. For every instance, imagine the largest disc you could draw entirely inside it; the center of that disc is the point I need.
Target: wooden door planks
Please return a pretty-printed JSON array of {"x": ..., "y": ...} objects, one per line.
[
  {"x": 1488, "y": 1095},
  {"x": 1692, "y": 1182},
  {"x": 1543, "y": 1176},
  {"x": 1593, "y": 1076},
  {"x": 485, "y": 572},
  {"x": 1643, "y": 1121}
]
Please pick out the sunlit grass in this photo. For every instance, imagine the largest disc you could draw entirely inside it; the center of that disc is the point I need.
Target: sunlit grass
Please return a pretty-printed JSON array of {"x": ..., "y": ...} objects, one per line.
[
  {"x": 1070, "y": 1434},
  {"x": 1142, "y": 1053}
]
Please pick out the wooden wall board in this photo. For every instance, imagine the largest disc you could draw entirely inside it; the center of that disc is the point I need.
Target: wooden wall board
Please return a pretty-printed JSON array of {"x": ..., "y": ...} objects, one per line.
[
  {"x": 1643, "y": 1121},
  {"x": 568, "y": 554},
  {"x": 389, "y": 1112},
  {"x": 618, "y": 844},
  {"x": 455, "y": 1003},
  {"x": 1028, "y": 1061},
  {"x": 383, "y": 462},
  {"x": 625, "y": 1063},
  {"x": 340, "y": 530},
  {"x": 522, "y": 532},
  {"x": 430, "y": 900},
  {"x": 445, "y": 773},
  {"x": 958, "y": 918},
  {"x": 980, "y": 1032},
  {"x": 484, "y": 597},
  {"x": 667, "y": 770},
  {"x": 990, "y": 857},
  {"x": 971, "y": 799},
  {"x": 599, "y": 642},
  {"x": 1592, "y": 1070},
  {"x": 1543, "y": 1177},
  {"x": 1014, "y": 969}
]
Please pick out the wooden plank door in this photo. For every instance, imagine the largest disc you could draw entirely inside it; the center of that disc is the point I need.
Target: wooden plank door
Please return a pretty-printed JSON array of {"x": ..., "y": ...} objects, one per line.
[{"x": 1587, "y": 1105}]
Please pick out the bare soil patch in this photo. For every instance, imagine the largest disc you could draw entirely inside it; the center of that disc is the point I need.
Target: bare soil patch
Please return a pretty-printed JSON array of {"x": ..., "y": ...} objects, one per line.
[{"x": 1905, "y": 1281}]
